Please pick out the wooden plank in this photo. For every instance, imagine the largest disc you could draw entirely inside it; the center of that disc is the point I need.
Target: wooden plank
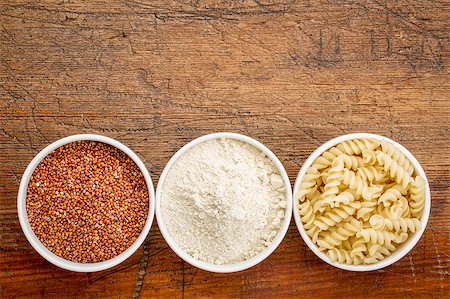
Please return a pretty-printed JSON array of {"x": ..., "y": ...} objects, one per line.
[{"x": 292, "y": 74}]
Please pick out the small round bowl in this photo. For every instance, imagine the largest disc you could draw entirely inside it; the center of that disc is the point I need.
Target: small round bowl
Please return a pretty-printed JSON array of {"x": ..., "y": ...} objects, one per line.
[
  {"x": 228, "y": 268},
  {"x": 405, "y": 247},
  {"x": 36, "y": 243}
]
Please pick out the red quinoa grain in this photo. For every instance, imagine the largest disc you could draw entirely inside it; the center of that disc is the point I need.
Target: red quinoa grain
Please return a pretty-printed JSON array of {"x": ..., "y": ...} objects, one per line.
[{"x": 87, "y": 201}]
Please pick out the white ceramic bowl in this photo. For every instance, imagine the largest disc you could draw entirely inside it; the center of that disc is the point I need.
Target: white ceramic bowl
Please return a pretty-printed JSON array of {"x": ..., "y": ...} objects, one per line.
[
  {"x": 228, "y": 267},
  {"x": 404, "y": 248},
  {"x": 50, "y": 256}
]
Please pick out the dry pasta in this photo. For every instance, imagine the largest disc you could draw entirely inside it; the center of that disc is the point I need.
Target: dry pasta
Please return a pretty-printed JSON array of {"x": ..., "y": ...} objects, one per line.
[{"x": 360, "y": 200}]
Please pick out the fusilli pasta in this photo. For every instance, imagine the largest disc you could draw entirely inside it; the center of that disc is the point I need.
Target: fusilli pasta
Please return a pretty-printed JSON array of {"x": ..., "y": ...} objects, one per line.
[{"x": 359, "y": 200}]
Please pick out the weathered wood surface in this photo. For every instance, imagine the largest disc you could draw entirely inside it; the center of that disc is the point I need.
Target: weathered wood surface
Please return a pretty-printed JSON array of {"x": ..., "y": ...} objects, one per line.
[{"x": 292, "y": 74}]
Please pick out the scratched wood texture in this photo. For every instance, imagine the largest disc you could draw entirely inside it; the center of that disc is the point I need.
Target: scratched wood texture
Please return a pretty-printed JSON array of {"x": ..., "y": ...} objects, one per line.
[{"x": 292, "y": 74}]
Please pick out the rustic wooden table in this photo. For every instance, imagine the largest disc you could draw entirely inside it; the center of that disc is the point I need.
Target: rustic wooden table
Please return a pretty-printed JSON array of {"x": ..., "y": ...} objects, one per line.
[{"x": 292, "y": 74}]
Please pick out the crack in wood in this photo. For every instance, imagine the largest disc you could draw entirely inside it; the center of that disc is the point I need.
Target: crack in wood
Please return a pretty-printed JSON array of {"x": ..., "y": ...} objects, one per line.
[
  {"x": 182, "y": 278},
  {"x": 142, "y": 271}
]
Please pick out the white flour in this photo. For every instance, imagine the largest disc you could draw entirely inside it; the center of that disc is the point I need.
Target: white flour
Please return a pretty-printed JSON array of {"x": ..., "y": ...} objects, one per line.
[{"x": 223, "y": 201}]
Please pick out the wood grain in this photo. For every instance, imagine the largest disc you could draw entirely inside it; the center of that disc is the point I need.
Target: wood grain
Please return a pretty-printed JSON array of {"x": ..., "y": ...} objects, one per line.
[{"x": 292, "y": 74}]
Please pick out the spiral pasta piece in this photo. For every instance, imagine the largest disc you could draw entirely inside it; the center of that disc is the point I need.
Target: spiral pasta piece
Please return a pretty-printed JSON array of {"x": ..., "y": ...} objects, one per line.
[
  {"x": 392, "y": 212},
  {"x": 308, "y": 184},
  {"x": 367, "y": 207},
  {"x": 356, "y": 146},
  {"x": 395, "y": 170},
  {"x": 359, "y": 247},
  {"x": 391, "y": 195},
  {"x": 351, "y": 162},
  {"x": 403, "y": 205},
  {"x": 417, "y": 202},
  {"x": 355, "y": 182},
  {"x": 308, "y": 218},
  {"x": 336, "y": 215},
  {"x": 381, "y": 237},
  {"x": 307, "y": 215},
  {"x": 338, "y": 234},
  {"x": 376, "y": 253},
  {"x": 379, "y": 222},
  {"x": 327, "y": 158},
  {"x": 321, "y": 163},
  {"x": 397, "y": 155},
  {"x": 372, "y": 174},
  {"x": 345, "y": 197},
  {"x": 370, "y": 260},
  {"x": 376, "y": 249},
  {"x": 343, "y": 256},
  {"x": 331, "y": 189},
  {"x": 400, "y": 236},
  {"x": 376, "y": 190},
  {"x": 369, "y": 157}
]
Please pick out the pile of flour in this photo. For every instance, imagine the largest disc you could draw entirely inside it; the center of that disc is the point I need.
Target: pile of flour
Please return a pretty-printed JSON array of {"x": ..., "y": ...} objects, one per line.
[{"x": 223, "y": 201}]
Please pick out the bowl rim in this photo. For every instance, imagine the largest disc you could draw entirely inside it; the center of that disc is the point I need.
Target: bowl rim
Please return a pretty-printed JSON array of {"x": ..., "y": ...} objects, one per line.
[
  {"x": 228, "y": 268},
  {"x": 405, "y": 247},
  {"x": 36, "y": 243}
]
